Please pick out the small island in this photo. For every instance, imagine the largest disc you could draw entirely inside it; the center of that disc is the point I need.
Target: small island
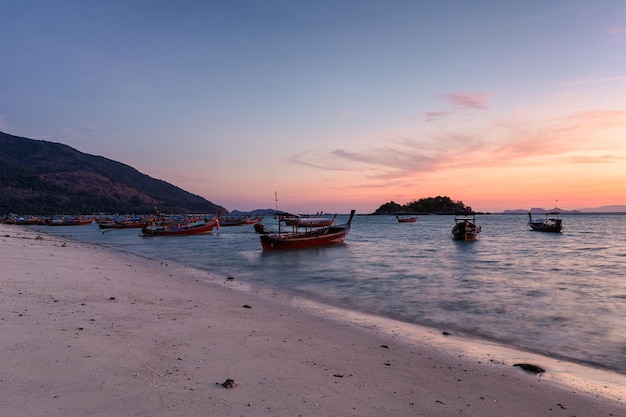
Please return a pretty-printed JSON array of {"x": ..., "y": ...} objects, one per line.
[{"x": 429, "y": 205}]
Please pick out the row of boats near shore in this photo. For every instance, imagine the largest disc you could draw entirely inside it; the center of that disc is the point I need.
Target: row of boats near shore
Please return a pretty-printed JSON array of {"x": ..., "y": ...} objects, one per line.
[{"x": 297, "y": 232}]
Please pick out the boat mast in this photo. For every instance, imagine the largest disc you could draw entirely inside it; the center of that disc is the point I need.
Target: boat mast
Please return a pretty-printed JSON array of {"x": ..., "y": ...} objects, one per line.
[{"x": 277, "y": 215}]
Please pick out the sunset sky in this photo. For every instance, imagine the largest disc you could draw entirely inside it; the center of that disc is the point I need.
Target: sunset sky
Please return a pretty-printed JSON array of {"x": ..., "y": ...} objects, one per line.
[{"x": 332, "y": 104}]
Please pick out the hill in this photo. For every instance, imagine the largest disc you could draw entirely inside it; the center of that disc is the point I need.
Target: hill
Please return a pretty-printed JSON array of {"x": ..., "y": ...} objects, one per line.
[
  {"x": 432, "y": 205},
  {"x": 40, "y": 177}
]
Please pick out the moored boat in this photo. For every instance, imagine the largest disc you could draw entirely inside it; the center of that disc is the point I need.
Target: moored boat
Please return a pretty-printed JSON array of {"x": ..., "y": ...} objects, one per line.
[
  {"x": 197, "y": 227},
  {"x": 551, "y": 223},
  {"x": 406, "y": 219},
  {"x": 465, "y": 227},
  {"x": 317, "y": 221},
  {"x": 126, "y": 223},
  {"x": 239, "y": 221},
  {"x": 70, "y": 221},
  {"x": 322, "y": 236}
]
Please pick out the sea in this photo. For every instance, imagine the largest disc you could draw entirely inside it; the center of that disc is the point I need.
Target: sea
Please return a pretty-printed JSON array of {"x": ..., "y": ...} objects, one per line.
[{"x": 562, "y": 295}]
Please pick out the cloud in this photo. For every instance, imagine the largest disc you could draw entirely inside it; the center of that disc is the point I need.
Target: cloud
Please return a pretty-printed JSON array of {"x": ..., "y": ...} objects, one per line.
[
  {"x": 616, "y": 30},
  {"x": 570, "y": 139},
  {"x": 460, "y": 101},
  {"x": 602, "y": 159},
  {"x": 467, "y": 100},
  {"x": 435, "y": 115},
  {"x": 592, "y": 81}
]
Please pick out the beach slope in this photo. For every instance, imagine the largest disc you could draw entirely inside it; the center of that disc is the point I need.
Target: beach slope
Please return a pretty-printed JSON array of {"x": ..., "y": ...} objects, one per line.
[{"x": 88, "y": 331}]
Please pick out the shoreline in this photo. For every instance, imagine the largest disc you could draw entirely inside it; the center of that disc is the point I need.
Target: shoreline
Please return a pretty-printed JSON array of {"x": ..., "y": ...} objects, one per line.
[{"x": 94, "y": 331}]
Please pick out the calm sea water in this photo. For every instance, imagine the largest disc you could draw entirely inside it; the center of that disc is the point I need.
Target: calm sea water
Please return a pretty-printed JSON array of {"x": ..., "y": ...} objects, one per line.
[{"x": 562, "y": 295}]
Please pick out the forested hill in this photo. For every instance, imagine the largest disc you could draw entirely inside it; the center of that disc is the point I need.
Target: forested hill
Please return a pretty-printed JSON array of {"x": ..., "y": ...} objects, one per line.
[
  {"x": 40, "y": 177},
  {"x": 431, "y": 205}
]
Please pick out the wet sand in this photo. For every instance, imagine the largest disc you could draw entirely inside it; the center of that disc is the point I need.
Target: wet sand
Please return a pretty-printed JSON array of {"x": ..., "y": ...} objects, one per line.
[{"x": 88, "y": 331}]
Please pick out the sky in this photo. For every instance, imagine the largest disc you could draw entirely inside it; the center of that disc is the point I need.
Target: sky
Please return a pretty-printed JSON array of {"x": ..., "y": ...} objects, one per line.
[{"x": 332, "y": 105}]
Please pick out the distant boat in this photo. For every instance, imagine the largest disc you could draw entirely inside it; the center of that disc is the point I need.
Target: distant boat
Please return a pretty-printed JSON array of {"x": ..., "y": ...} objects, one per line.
[
  {"x": 70, "y": 221},
  {"x": 465, "y": 227},
  {"x": 125, "y": 223},
  {"x": 405, "y": 219},
  {"x": 310, "y": 238},
  {"x": 551, "y": 223},
  {"x": 239, "y": 221},
  {"x": 197, "y": 227}
]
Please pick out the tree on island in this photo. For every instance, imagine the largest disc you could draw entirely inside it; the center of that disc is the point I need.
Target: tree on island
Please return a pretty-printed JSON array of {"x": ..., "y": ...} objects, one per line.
[{"x": 434, "y": 205}]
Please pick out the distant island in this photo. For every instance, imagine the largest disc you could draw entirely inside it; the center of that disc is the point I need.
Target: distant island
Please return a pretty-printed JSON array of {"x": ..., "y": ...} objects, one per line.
[
  {"x": 445, "y": 205},
  {"x": 428, "y": 205}
]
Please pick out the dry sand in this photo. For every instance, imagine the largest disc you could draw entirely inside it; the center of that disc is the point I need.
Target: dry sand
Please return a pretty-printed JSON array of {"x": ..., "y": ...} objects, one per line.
[{"x": 88, "y": 331}]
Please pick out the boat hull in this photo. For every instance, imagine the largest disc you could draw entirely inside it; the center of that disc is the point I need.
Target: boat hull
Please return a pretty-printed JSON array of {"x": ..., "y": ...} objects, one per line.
[
  {"x": 183, "y": 230},
  {"x": 304, "y": 240},
  {"x": 465, "y": 235},
  {"x": 541, "y": 227}
]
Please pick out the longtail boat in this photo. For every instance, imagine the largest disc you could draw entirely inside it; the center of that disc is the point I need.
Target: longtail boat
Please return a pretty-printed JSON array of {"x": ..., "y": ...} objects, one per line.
[
  {"x": 198, "y": 227},
  {"x": 239, "y": 221},
  {"x": 310, "y": 238},
  {"x": 126, "y": 223},
  {"x": 404, "y": 219},
  {"x": 551, "y": 223},
  {"x": 465, "y": 227},
  {"x": 317, "y": 221},
  {"x": 70, "y": 221}
]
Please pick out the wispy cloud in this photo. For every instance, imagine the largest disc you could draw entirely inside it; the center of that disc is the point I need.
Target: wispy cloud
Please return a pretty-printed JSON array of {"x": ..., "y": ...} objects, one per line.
[
  {"x": 435, "y": 115},
  {"x": 525, "y": 143},
  {"x": 467, "y": 100},
  {"x": 593, "y": 80},
  {"x": 616, "y": 30},
  {"x": 460, "y": 101},
  {"x": 601, "y": 159}
]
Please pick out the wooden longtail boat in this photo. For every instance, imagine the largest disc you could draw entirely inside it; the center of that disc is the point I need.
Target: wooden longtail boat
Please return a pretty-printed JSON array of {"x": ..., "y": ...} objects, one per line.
[
  {"x": 402, "y": 219},
  {"x": 239, "y": 221},
  {"x": 74, "y": 221},
  {"x": 465, "y": 227},
  {"x": 133, "y": 223},
  {"x": 316, "y": 221},
  {"x": 551, "y": 223},
  {"x": 183, "y": 229},
  {"x": 310, "y": 238}
]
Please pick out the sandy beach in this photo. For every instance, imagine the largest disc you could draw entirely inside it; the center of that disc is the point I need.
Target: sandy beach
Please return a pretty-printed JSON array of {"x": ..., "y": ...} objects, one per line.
[{"x": 88, "y": 331}]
